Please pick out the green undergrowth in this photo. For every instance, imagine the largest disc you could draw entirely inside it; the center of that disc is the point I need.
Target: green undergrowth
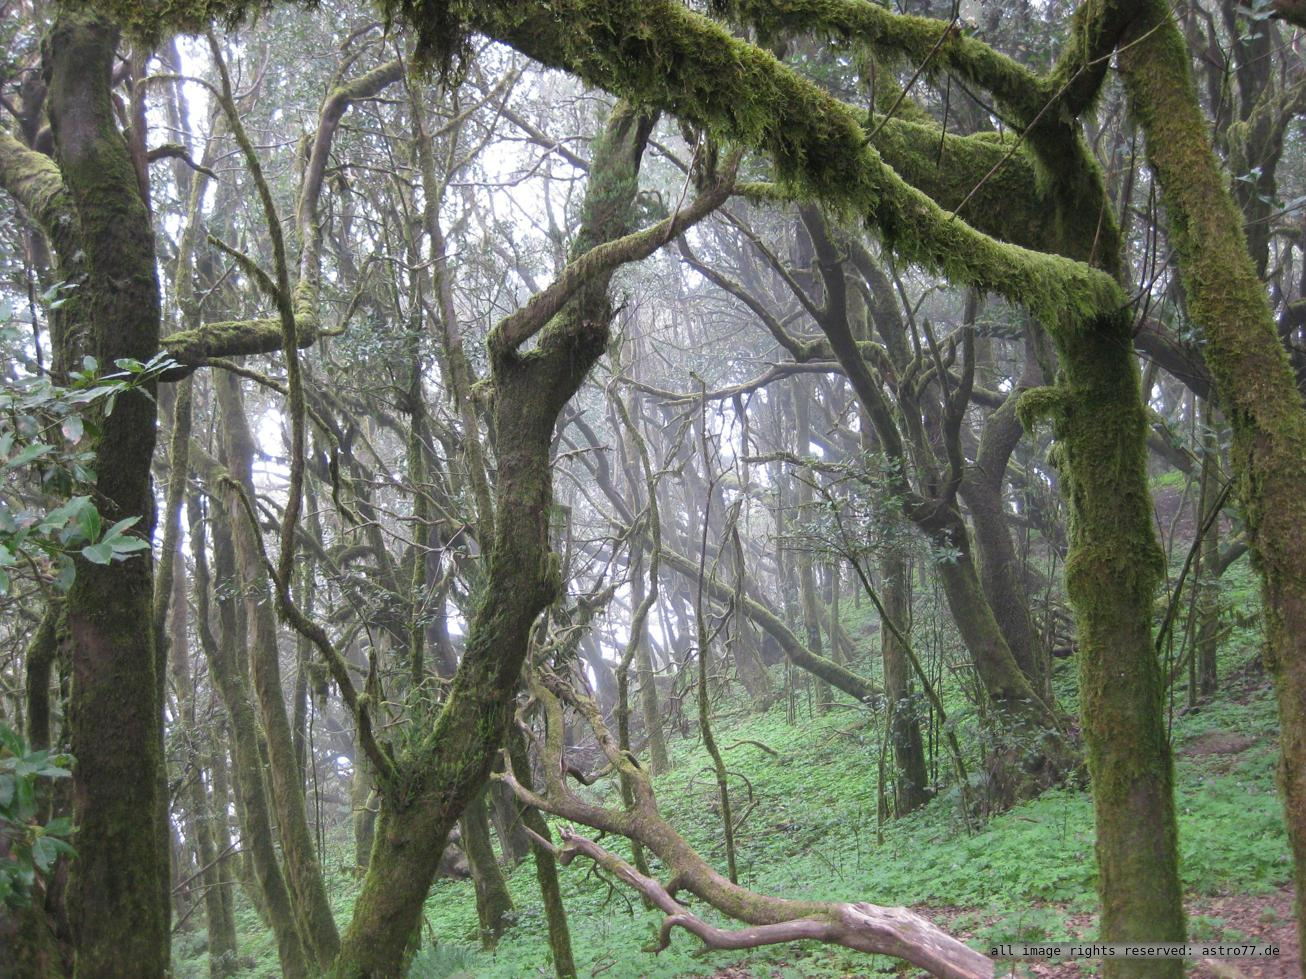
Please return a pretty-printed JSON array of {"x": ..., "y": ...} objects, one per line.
[
  {"x": 813, "y": 833},
  {"x": 810, "y": 830}
]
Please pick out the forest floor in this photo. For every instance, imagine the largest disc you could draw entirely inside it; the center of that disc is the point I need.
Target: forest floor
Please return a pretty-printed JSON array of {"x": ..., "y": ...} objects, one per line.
[
  {"x": 1027, "y": 874},
  {"x": 1264, "y": 919},
  {"x": 811, "y": 829},
  {"x": 1232, "y": 741}
]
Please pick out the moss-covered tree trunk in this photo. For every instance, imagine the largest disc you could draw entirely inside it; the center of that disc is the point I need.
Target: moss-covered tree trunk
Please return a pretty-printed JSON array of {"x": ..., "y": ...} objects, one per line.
[
  {"x": 911, "y": 783},
  {"x": 451, "y": 762},
  {"x": 119, "y": 891},
  {"x": 493, "y": 902},
  {"x": 228, "y": 671},
  {"x": 441, "y": 772},
  {"x": 363, "y": 803},
  {"x": 1258, "y": 393},
  {"x": 1112, "y": 572},
  {"x": 546, "y": 865},
  {"x": 308, "y": 892}
]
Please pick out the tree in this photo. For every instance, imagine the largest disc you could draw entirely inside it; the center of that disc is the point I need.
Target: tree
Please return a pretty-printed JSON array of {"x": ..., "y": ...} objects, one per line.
[{"x": 1023, "y": 215}]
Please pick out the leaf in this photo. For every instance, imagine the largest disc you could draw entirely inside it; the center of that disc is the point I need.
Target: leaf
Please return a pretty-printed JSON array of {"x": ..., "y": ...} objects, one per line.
[
  {"x": 60, "y": 826},
  {"x": 101, "y": 553},
  {"x": 62, "y": 846},
  {"x": 32, "y": 452},
  {"x": 88, "y": 519},
  {"x": 124, "y": 546},
  {"x": 44, "y": 853},
  {"x": 32, "y": 763},
  {"x": 72, "y": 428},
  {"x": 117, "y": 529},
  {"x": 11, "y": 741},
  {"x": 93, "y": 394},
  {"x": 67, "y": 571}
]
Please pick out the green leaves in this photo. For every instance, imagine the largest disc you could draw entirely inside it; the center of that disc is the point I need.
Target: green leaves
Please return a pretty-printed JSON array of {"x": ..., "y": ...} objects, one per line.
[
  {"x": 115, "y": 544},
  {"x": 32, "y": 847},
  {"x": 48, "y": 434}
]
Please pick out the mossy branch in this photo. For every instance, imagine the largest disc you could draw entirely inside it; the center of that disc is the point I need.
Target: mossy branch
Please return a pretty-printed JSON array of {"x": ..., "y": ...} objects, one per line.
[
  {"x": 860, "y": 926},
  {"x": 514, "y": 330},
  {"x": 387, "y": 771},
  {"x": 939, "y": 44},
  {"x": 227, "y": 338},
  {"x": 659, "y": 53},
  {"x": 32, "y": 179}
]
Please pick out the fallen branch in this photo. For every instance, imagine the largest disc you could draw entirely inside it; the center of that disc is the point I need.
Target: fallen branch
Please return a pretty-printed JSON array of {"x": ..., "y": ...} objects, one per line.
[
  {"x": 857, "y": 925},
  {"x": 864, "y": 927}
]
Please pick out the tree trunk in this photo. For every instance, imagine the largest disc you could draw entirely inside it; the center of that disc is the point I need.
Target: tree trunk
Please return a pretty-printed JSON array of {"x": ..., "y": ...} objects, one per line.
[
  {"x": 221, "y": 926},
  {"x": 1112, "y": 572},
  {"x": 1258, "y": 393},
  {"x": 1208, "y": 582},
  {"x": 514, "y": 844},
  {"x": 1002, "y": 677},
  {"x": 999, "y": 569},
  {"x": 648, "y": 691},
  {"x": 119, "y": 890},
  {"x": 546, "y": 866},
  {"x": 307, "y": 890},
  {"x": 806, "y": 577},
  {"x": 442, "y": 772},
  {"x": 912, "y": 789},
  {"x": 493, "y": 902},
  {"x": 362, "y": 801},
  {"x": 228, "y": 671}
]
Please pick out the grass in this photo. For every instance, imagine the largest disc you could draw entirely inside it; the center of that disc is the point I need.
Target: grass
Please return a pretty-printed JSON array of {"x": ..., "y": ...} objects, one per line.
[{"x": 813, "y": 832}]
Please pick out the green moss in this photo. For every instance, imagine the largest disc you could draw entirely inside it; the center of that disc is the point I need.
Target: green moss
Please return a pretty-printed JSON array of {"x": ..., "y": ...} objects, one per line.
[
  {"x": 119, "y": 890},
  {"x": 655, "y": 52},
  {"x": 946, "y": 46},
  {"x": 1257, "y": 389}
]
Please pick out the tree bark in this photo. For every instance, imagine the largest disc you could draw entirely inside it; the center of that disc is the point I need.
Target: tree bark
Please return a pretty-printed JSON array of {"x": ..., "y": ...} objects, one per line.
[
  {"x": 1257, "y": 390},
  {"x": 911, "y": 785},
  {"x": 227, "y": 668},
  {"x": 493, "y": 902},
  {"x": 442, "y": 772},
  {"x": 119, "y": 891},
  {"x": 304, "y": 875},
  {"x": 546, "y": 865}
]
